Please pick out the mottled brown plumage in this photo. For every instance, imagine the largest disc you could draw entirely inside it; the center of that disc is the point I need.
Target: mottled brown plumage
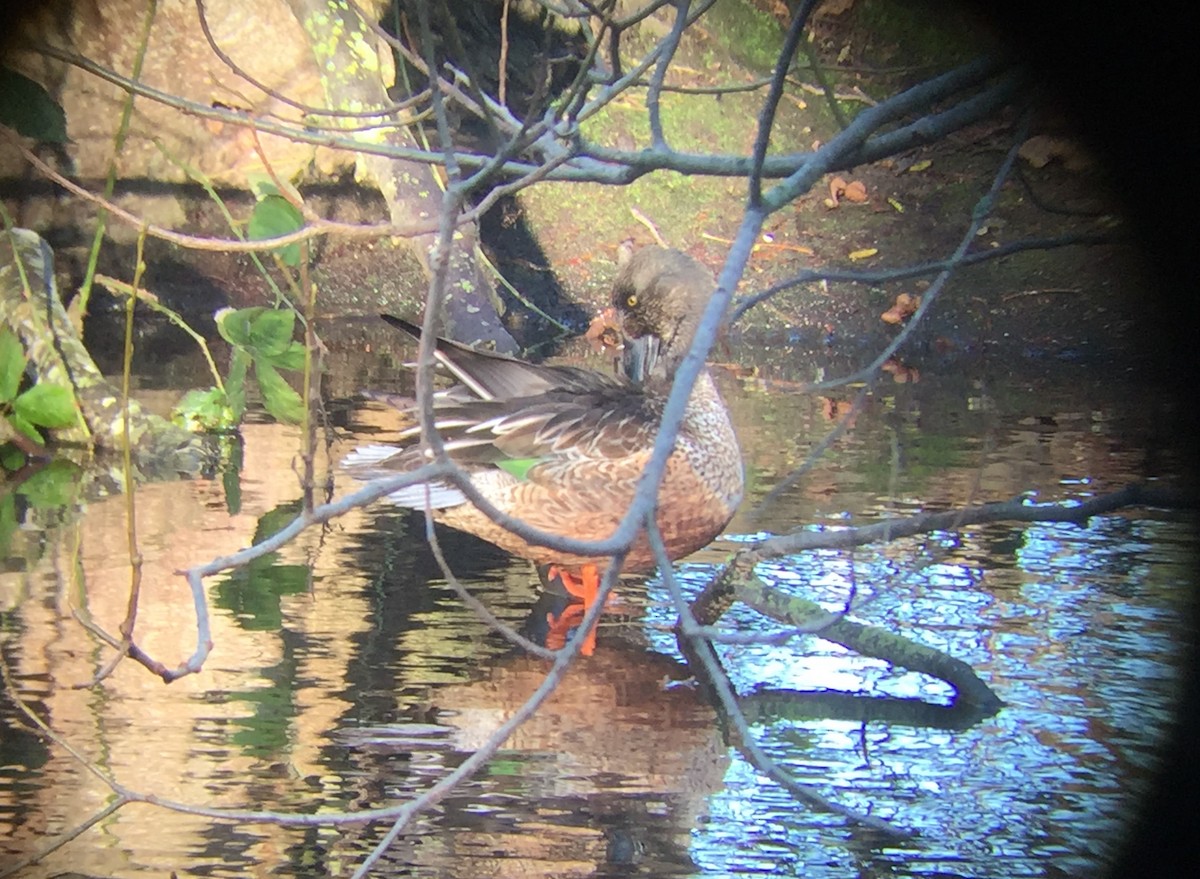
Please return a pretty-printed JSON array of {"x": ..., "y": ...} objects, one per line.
[{"x": 584, "y": 435}]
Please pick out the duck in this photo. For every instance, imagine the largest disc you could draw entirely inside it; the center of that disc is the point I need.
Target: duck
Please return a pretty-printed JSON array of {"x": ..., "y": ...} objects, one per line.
[{"x": 562, "y": 447}]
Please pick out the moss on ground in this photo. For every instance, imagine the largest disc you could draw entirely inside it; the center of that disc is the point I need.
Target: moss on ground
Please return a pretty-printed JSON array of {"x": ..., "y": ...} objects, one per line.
[
  {"x": 919, "y": 203},
  {"x": 582, "y": 224}
]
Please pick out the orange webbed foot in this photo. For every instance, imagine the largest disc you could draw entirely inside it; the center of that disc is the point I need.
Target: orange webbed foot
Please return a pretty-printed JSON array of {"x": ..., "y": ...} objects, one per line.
[{"x": 585, "y": 586}]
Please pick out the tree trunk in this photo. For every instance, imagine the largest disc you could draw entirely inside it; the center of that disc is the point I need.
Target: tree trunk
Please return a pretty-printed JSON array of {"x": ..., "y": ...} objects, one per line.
[{"x": 350, "y": 69}]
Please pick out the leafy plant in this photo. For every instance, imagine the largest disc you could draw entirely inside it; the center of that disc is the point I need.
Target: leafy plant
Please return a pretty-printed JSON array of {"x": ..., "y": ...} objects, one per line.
[
  {"x": 51, "y": 486},
  {"x": 262, "y": 341},
  {"x": 28, "y": 109},
  {"x": 272, "y": 217},
  {"x": 44, "y": 405}
]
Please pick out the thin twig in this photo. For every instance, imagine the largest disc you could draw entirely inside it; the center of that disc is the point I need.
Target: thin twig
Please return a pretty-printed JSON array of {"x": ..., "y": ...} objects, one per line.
[
  {"x": 197, "y": 242},
  {"x": 666, "y": 55},
  {"x": 153, "y": 303},
  {"x": 312, "y": 377},
  {"x": 1044, "y": 291},
  {"x": 502, "y": 71},
  {"x": 766, "y": 118},
  {"x": 722, "y": 688},
  {"x": 1019, "y": 510},
  {"x": 307, "y": 109},
  {"x": 983, "y": 208},
  {"x": 135, "y": 555},
  {"x": 63, "y": 838},
  {"x": 122, "y": 134},
  {"x": 649, "y": 224},
  {"x": 236, "y": 227},
  {"x": 480, "y": 609},
  {"x": 902, "y": 273}
]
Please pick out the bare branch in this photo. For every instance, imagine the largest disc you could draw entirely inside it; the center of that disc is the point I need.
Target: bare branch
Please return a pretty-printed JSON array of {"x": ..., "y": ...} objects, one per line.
[
  {"x": 601, "y": 165},
  {"x": 846, "y": 148},
  {"x": 703, "y": 661},
  {"x": 766, "y": 117},
  {"x": 1019, "y": 510},
  {"x": 63, "y": 838},
  {"x": 902, "y": 273},
  {"x": 983, "y": 208},
  {"x": 307, "y": 109},
  {"x": 654, "y": 93}
]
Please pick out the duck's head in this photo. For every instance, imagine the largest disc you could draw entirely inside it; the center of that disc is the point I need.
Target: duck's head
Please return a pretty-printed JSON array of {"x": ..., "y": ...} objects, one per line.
[{"x": 660, "y": 295}]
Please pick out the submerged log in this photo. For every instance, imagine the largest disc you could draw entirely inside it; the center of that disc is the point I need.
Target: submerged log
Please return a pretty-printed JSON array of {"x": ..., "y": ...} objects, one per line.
[{"x": 738, "y": 581}]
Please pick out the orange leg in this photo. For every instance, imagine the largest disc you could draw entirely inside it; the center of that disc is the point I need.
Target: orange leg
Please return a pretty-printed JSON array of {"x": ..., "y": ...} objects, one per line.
[{"x": 584, "y": 587}]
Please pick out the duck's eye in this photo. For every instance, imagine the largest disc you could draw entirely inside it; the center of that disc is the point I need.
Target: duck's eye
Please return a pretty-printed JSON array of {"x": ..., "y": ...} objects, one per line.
[{"x": 631, "y": 300}]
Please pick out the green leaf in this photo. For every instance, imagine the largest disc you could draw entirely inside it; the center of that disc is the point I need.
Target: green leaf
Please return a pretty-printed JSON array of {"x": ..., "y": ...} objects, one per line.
[
  {"x": 273, "y": 216},
  {"x": 8, "y": 522},
  {"x": 231, "y": 478},
  {"x": 264, "y": 332},
  {"x": 281, "y": 400},
  {"x": 271, "y": 332},
  {"x": 518, "y": 467},
  {"x": 234, "y": 324},
  {"x": 261, "y": 184},
  {"x": 11, "y": 458},
  {"x": 12, "y": 365},
  {"x": 47, "y": 405},
  {"x": 55, "y": 485},
  {"x": 292, "y": 358},
  {"x": 235, "y": 384},
  {"x": 20, "y": 424},
  {"x": 204, "y": 410},
  {"x": 28, "y": 109}
]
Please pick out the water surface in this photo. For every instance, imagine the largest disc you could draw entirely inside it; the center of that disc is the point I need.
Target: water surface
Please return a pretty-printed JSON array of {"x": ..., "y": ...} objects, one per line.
[{"x": 346, "y": 674}]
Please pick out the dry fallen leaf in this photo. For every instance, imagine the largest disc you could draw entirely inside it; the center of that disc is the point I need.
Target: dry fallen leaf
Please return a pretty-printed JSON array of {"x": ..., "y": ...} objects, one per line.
[
  {"x": 900, "y": 373},
  {"x": 836, "y": 410},
  {"x": 839, "y": 188},
  {"x": 833, "y": 7},
  {"x": 1042, "y": 149},
  {"x": 856, "y": 191},
  {"x": 836, "y": 187},
  {"x": 903, "y": 308}
]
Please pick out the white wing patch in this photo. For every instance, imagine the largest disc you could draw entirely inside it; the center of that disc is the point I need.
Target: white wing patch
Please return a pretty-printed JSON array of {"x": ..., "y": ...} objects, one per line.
[
  {"x": 372, "y": 455},
  {"x": 367, "y": 463},
  {"x": 434, "y": 495}
]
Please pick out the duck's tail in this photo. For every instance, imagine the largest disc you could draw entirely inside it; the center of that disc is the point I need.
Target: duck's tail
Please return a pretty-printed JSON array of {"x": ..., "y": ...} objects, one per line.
[{"x": 377, "y": 461}]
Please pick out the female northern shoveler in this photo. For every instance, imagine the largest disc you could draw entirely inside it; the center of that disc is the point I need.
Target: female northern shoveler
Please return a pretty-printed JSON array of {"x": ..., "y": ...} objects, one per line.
[{"x": 562, "y": 447}]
